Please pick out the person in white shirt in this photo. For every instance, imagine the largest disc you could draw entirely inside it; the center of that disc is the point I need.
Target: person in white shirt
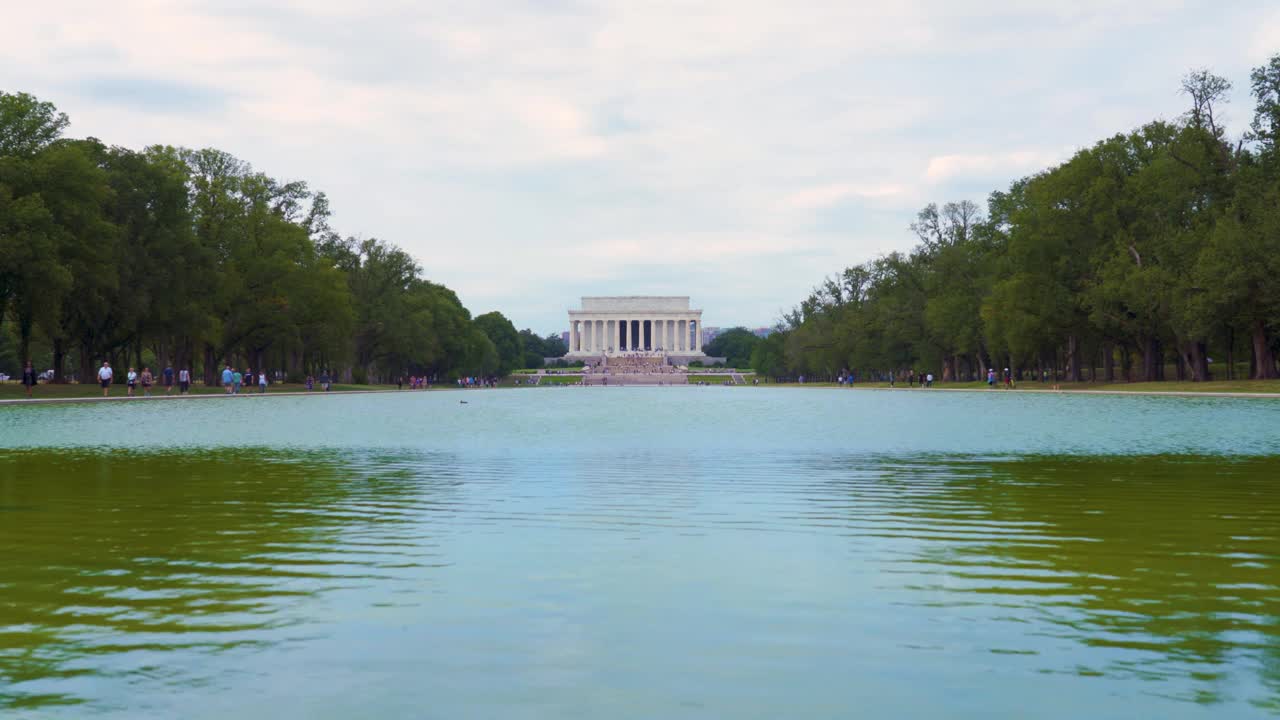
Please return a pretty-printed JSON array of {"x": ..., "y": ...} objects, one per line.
[
  {"x": 184, "y": 381},
  {"x": 104, "y": 377},
  {"x": 131, "y": 380}
]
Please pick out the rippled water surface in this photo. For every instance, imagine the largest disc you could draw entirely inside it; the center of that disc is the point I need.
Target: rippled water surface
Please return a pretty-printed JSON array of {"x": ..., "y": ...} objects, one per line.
[{"x": 647, "y": 553}]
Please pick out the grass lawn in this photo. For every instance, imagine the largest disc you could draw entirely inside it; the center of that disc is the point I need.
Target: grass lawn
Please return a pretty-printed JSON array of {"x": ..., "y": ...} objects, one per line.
[
  {"x": 713, "y": 379},
  {"x": 1212, "y": 386},
  {"x": 13, "y": 391},
  {"x": 560, "y": 380}
]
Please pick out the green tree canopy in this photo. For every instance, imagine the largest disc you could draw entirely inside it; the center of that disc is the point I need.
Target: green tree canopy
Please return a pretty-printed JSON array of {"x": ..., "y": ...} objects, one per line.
[{"x": 735, "y": 345}]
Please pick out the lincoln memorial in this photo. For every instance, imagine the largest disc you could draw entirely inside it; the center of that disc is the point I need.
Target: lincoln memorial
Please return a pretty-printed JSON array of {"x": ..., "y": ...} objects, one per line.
[{"x": 663, "y": 326}]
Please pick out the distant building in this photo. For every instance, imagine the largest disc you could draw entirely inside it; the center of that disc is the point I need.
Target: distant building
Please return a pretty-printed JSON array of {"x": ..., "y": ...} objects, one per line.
[
  {"x": 710, "y": 333},
  {"x": 762, "y": 332},
  {"x": 564, "y": 338},
  {"x": 661, "y": 326}
]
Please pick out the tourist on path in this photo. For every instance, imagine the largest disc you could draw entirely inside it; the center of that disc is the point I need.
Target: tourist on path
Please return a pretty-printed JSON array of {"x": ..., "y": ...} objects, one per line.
[
  {"x": 236, "y": 380},
  {"x": 29, "y": 377},
  {"x": 262, "y": 383},
  {"x": 131, "y": 381},
  {"x": 324, "y": 381},
  {"x": 929, "y": 379},
  {"x": 184, "y": 381},
  {"x": 167, "y": 375},
  {"x": 105, "y": 375},
  {"x": 311, "y": 383},
  {"x": 991, "y": 377},
  {"x": 147, "y": 379},
  {"x": 227, "y": 378}
]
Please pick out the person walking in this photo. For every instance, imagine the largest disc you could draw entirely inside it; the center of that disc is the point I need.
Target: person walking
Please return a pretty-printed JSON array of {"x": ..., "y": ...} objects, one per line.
[
  {"x": 184, "y": 381},
  {"x": 929, "y": 379},
  {"x": 131, "y": 381},
  {"x": 236, "y": 380},
  {"x": 227, "y": 378},
  {"x": 105, "y": 375},
  {"x": 146, "y": 379},
  {"x": 311, "y": 383},
  {"x": 29, "y": 378},
  {"x": 167, "y": 376},
  {"x": 262, "y": 383}
]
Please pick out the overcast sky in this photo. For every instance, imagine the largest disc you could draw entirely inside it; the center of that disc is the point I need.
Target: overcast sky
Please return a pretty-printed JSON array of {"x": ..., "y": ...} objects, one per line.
[{"x": 528, "y": 153}]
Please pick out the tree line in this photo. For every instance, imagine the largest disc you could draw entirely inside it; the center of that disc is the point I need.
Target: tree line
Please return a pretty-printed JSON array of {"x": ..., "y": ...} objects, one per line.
[
  {"x": 1153, "y": 249},
  {"x": 192, "y": 257}
]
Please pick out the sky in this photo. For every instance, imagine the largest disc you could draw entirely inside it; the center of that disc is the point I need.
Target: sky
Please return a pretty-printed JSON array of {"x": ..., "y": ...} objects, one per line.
[{"x": 529, "y": 153}]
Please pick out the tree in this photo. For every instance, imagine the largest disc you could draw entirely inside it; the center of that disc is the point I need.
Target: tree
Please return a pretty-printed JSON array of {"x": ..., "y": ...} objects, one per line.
[
  {"x": 191, "y": 257},
  {"x": 735, "y": 345},
  {"x": 28, "y": 125},
  {"x": 506, "y": 341}
]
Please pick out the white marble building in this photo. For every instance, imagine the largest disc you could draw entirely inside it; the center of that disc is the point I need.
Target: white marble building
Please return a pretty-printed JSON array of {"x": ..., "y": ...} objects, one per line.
[{"x": 609, "y": 326}]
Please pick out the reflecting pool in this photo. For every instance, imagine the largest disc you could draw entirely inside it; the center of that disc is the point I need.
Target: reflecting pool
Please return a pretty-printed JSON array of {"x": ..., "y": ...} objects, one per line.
[{"x": 641, "y": 552}]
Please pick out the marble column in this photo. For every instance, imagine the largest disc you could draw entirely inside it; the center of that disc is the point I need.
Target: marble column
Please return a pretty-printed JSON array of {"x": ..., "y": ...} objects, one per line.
[
  {"x": 697, "y": 336},
  {"x": 626, "y": 335}
]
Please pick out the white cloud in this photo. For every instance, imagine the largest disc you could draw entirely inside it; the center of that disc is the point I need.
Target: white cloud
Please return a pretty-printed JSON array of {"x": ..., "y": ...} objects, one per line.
[
  {"x": 984, "y": 165},
  {"x": 1266, "y": 38},
  {"x": 531, "y": 152},
  {"x": 821, "y": 196}
]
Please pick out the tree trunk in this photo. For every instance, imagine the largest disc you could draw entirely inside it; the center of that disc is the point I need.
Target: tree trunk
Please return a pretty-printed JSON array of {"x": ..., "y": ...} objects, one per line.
[
  {"x": 1150, "y": 359},
  {"x": 24, "y": 339},
  {"x": 1264, "y": 360},
  {"x": 59, "y": 358},
  {"x": 1073, "y": 359},
  {"x": 1195, "y": 358},
  {"x": 1231, "y": 353},
  {"x": 210, "y": 366}
]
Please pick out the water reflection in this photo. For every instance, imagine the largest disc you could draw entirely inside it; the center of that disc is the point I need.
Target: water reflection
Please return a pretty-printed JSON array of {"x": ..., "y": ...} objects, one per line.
[
  {"x": 1166, "y": 567},
  {"x": 636, "y": 583},
  {"x": 130, "y": 567}
]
